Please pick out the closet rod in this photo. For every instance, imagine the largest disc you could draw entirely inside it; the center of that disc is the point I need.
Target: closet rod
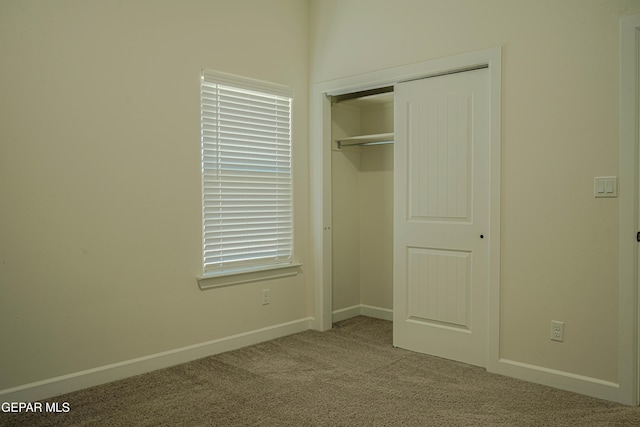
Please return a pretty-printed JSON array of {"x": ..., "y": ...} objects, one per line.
[
  {"x": 372, "y": 139},
  {"x": 362, "y": 144}
]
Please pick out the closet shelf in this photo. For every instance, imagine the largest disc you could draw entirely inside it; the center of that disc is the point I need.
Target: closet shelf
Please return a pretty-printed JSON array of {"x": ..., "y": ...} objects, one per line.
[{"x": 375, "y": 139}]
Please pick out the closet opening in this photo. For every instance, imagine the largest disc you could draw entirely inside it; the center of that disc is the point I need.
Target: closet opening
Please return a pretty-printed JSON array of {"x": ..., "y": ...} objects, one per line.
[{"x": 362, "y": 135}]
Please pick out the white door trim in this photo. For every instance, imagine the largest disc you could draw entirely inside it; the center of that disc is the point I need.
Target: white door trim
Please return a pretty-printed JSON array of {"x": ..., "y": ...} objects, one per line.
[
  {"x": 628, "y": 327},
  {"x": 320, "y": 169}
]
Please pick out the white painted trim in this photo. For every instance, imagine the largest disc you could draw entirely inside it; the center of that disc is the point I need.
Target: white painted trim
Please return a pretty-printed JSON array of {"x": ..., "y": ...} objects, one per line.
[
  {"x": 104, "y": 374},
  {"x": 495, "y": 92},
  {"x": 320, "y": 180},
  {"x": 581, "y": 384},
  {"x": 376, "y": 312},
  {"x": 346, "y": 313},
  {"x": 362, "y": 310},
  {"x": 248, "y": 275},
  {"x": 628, "y": 329}
]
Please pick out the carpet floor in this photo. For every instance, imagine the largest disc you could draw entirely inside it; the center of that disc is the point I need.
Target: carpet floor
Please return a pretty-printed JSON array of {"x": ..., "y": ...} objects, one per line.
[{"x": 349, "y": 376}]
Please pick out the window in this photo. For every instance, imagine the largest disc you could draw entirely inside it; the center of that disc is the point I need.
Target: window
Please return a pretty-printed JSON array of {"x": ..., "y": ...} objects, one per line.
[{"x": 246, "y": 175}]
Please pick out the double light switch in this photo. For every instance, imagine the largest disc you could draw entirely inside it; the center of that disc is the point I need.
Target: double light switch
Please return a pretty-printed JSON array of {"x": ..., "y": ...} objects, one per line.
[{"x": 605, "y": 186}]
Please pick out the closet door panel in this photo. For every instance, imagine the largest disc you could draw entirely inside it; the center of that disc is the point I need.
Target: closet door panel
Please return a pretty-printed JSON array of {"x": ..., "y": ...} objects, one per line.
[
  {"x": 439, "y": 166},
  {"x": 441, "y": 217}
]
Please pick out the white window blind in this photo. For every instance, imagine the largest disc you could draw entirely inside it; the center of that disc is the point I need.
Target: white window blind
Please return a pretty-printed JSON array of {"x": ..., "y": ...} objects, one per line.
[{"x": 246, "y": 171}]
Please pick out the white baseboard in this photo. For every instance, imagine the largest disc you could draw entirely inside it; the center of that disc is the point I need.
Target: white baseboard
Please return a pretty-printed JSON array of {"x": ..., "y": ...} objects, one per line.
[
  {"x": 377, "y": 312},
  {"x": 345, "y": 313},
  {"x": 104, "y": 374},
  {"x": 580, "y": 384},
  {"x": 362, "y": 310}
]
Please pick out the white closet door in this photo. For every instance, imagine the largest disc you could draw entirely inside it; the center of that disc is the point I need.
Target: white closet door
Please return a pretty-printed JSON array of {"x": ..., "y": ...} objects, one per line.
[{"x": 441, "y": 217}]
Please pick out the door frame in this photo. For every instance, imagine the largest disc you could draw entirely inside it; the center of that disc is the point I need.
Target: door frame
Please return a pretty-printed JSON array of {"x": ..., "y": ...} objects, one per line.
[
  {"x": 628, "y": 302},
  {"x": 320, "y": 174}
]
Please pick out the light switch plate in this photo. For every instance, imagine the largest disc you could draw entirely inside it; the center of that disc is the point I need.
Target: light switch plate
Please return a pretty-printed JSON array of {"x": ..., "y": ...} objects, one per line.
[{"x": 605, "y": 186}]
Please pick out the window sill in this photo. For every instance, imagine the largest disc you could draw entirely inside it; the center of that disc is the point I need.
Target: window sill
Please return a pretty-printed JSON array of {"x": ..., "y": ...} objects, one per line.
[{"x": 238, "y": 277}]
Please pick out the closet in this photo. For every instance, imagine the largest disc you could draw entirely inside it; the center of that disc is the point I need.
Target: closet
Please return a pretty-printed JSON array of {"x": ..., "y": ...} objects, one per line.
[{"x": 362, "y": 203}]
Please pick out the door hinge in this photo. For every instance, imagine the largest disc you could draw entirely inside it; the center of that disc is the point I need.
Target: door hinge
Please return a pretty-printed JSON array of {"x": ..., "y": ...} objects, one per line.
[{"x": 638, "y": 236}]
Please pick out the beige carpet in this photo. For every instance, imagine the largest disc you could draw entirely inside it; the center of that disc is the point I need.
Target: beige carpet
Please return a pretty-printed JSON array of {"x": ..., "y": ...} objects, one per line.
[{"x": 349, "y": 376}]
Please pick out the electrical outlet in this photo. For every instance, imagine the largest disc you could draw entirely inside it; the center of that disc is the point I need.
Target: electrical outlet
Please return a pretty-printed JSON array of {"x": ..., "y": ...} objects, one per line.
[
  {"x": 266, "y": 296},
  {"x": 557, "y": 331}
]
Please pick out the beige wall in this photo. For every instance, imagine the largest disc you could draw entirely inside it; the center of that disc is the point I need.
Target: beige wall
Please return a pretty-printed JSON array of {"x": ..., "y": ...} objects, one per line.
[
  {"x": 346, "y": 257},
  {"x": 362, "y": 209},
  {"x": 376, "y": 226},
  {"x": 100, "y": 224},
  {"x": 345, "y": 197},
  {"x": 559, "y": 130},
  {"x": 376, "y": 210}
]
